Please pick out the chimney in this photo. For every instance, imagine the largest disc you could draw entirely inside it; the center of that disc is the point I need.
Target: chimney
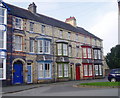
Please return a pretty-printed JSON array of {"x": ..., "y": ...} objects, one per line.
[
  {"x": 32, "y": 8},
  {"x": 71, "y": 21}
]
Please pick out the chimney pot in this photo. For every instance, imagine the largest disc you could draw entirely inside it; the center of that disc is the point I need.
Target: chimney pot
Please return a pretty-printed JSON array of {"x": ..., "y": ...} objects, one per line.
[{"x": 32, "y": 8}]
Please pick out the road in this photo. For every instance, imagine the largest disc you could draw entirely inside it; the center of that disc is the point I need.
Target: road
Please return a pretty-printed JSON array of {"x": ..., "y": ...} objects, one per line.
[{"x": 67, "y": 89}]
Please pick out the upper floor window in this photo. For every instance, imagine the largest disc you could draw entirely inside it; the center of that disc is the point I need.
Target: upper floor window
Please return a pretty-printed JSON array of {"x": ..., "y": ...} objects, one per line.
[
  {"x": 2, "y": 39},
  {"x": 85, "y": 39},
  {"x": 97, "y": 54},
  {"x": 69, "y": 34},
  {"x": 32, "y": 45},
  {"x": 76, "y": 37},
  {"x": 60, "y": 33},
  {"x": 44, "y": 46},
  {"x": 2, "y": 16},
  {"x": 77, "y": 51},
  {"x": 70, "y": 50},
  {"x": 31, "y": 26},
  {"x": 18, "y": 43},
  {"x": 43, "y": 29},
  {"x": 62, "y": 49},
  {"x": 18, "y": 23},
  {"x": 87, "y": 52}
]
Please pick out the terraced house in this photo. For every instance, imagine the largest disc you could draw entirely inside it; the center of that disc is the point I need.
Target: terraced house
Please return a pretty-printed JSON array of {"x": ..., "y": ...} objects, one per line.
[{"x": 35, "y": 48}]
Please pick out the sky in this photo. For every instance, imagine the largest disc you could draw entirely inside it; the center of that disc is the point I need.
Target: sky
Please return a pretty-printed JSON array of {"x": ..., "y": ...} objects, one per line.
[{"x": 99, "y": 17}]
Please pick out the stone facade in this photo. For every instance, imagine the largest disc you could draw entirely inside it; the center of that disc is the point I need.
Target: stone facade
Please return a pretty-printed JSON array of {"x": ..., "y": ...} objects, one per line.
[{"x": 48, "y": 53}]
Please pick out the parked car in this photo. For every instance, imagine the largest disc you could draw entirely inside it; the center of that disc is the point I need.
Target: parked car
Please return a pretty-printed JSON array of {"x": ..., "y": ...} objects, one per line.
[{"x": 114, "y": 75}]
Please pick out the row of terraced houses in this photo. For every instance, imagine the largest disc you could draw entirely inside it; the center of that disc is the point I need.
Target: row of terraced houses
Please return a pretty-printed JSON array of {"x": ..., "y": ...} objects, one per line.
[{"x": 35, "y": 48}]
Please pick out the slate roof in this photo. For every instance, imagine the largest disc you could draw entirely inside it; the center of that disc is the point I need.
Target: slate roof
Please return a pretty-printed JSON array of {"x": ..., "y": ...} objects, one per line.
[{"x": 26, "y": 14}]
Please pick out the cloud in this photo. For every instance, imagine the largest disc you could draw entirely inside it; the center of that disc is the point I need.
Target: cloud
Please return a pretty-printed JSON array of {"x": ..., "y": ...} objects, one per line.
[{"x": 107, "y": 29}]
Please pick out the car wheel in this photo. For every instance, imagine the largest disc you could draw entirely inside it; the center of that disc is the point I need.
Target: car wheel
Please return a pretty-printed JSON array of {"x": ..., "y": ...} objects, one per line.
[{"x": 113, "y": 80}]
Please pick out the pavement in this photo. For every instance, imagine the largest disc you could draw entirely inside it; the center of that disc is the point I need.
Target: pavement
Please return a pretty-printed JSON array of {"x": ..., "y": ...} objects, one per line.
[{"x": 18, "y": 88}]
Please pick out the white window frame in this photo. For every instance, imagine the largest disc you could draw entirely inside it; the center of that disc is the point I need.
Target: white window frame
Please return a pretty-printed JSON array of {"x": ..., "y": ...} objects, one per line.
[
  {"x": 69, "y": 35},
  {"x": 61, "y": 33},
  {"x": 32, "y": 45},
  {"x": 85, "y": 70},
  {"x": 65, "y": 49},
  {"x": 40, "y": 47},
  {"x": 77, "y": 51},
  {"x": 47, "y": 47},
  {"x": 31, "y": 26},
  {"x": 59, "y": 48},
  {"x": 95, "y": 54},
  {"x": 18, "y": 43},
  {"x": 89, "y": 52},
  {"x": 96, "y": 70},
  {"x": 42, "y": 72},
  {"x": 66, "y": 70},
  {"x": 90, "y": 70},
  {"x": 60, "y": 70},
  {"x": 76, "y": 38},
  {"x": 100, "y": 69},
  {"x": 43, "y": 29},
  {"x": 84, "y": 52},
  {"x": 4, "y": 39},
  {"x": 3, "y": 69},
  {"x": 70, "y": 51},
  {"x": 17, "y": 22},
  {"x": 48, "y": 71}
]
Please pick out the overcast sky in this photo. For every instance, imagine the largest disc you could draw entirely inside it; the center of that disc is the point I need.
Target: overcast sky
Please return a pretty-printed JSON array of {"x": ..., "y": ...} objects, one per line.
[{"x": 99, "y": 17}]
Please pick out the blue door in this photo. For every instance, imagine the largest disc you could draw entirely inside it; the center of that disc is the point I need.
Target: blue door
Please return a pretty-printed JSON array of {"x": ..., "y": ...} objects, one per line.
[
  {"x": 29, "y": 74},
  {"x": 18, "y": 74}
]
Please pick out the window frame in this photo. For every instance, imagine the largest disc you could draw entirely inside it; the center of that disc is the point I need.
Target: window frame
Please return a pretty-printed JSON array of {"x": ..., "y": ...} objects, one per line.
[
  {"x": 86, "y": 52},
  {"x": 87, "y": 70},
  {"x": 61, "y": 33},
  {"x": 33, "y": 45},
  {"x": 31, "y": 26},
  {"x": 62, "y": 50},
  {"x": 3, "y": 69},
  {"x": 43, "y": 47},
  {"x": 98, "y": 70},
  {"x": 20, "y": 44},
  {"x": 63, "y": 71},
  {"x": 44, "y": 72},
  {"x": 43, "y": 29}
]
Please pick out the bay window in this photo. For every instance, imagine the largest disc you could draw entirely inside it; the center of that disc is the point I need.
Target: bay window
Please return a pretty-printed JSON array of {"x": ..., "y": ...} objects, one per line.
[
  {"x": 88, "y": 70},
  {"x": 65, "y": 51},
  {"x": 60, "y": 70},
  {"x": 98, "y": 70},
  {"x": 18, "y": 43},
  {"x": 97, "y": 54},
  {"x": 44, "y": 70},
  {"x": 44, "y": 46},
  {"x": 62, "y": 49},
  {"x": 87, "y": 52},
  {"x": 63, "y": 70}
]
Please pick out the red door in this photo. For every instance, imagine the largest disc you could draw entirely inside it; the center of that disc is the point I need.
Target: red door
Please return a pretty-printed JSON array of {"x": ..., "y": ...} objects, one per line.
[{"x": 77, "y": 72}]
